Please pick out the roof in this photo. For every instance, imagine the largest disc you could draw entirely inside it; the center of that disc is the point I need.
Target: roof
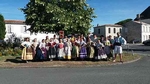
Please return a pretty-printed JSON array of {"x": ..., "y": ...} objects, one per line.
[
  {"x": 144, "y": 15},
  {"x": 139, "y": 22},
  {"x": 14, "y": 22},
  {"x": 110, "y": 25}
]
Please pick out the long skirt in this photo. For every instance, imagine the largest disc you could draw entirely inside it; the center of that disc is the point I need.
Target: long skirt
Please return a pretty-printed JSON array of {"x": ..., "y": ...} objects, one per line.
[
  {"x": 34, "y": 52},
  {"x": 44, "y": 51},
  {"x": 83, "y": 53},
  {"x": 67, "y": 53},
  {"x": 27, "y": 53},
  {"x": 88, "y": 51},
  {"x": 74, "y": 52},
  {"x": 39, "y": 55},
  {"x": 52, "y": 53},
  {"x": 60, "y": 53},
  {"x": 92, "y": 53},
  {"x": 101, "y": 54},
  {"x": 107, "y": 49},
  {"x": 77, "y": 51},
  {"x": 95, "y": 52}
]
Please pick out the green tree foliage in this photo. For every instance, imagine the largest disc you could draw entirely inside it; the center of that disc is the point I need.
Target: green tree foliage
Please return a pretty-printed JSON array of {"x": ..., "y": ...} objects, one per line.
[
  {"x": 2, "y": 28},
  {"x": 123, "y": 21},
  {"x": 72, "y": 16}
]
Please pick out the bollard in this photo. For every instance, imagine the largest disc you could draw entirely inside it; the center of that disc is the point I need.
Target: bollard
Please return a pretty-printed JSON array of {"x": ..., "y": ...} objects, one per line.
[{"x": 132, "y": 53}]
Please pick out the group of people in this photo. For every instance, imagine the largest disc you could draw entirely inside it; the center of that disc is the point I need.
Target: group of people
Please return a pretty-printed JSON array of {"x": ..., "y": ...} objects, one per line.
[{"x": 73, "y": 48}]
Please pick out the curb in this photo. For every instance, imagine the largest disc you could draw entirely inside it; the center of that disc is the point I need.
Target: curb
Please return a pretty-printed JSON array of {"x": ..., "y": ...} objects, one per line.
[{"x": 71, "y": 66}]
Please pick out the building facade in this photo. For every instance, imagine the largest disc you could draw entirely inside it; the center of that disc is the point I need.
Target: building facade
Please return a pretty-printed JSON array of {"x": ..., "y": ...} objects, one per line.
[
  {"x": 107, "y": 30},
  {"x": 136, "y": 31},
  {"x": 18, "y": 28}
]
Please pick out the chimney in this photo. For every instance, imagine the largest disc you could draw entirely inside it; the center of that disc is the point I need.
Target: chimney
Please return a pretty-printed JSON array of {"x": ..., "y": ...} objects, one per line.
[
  {"x": 97, "y": 25},
  {"x": 138, "y": 16}
]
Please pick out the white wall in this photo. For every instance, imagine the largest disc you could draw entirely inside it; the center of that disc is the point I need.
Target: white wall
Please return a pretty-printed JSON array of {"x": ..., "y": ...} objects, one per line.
[
  {"x": 20, "y": 31},
  {"x": 145, "y": 32}
]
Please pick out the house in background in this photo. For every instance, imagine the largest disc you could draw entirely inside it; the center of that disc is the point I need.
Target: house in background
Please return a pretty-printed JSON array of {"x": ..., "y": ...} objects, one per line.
[
  {"x": 18, "y": 28},
  {"x": 136, "y": 31},
  {"x": 107, "y": 30},
  {"x": 139, "y": 29}
]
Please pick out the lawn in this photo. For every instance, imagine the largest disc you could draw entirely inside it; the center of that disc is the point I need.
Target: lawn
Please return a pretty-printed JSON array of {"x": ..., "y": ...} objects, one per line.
[{"x": 15, "y": 61}]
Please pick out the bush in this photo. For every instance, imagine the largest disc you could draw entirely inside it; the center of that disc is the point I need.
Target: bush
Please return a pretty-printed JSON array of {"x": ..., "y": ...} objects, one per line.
[
  {"x": 10, "y": 51},
  {"x": 17, "y": 52},
  {"x": 1, "y": 54}
]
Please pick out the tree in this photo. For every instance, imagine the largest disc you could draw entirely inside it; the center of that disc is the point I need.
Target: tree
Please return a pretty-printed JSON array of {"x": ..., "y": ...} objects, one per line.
[
  {"x": 2, "y": 28},
  {"x": 72, "y": 16},
  {"x": 123, "y": 21}
]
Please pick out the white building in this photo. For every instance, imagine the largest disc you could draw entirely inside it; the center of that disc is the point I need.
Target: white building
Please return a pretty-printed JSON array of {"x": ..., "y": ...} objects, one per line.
[
  {"x": 136, "y": 31},
  {"x": 18, "y": 28},
  {"x": 107, "y": 30}
]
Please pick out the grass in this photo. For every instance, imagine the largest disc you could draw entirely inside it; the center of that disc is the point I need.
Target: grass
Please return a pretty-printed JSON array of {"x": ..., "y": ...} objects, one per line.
[{"x": 13, "y": 61}]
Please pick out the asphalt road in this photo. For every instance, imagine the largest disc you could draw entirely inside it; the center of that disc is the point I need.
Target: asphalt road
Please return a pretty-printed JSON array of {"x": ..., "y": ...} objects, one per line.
[
  {"x": 132, "y": 73},
  {"x": 136, "y": 47}
]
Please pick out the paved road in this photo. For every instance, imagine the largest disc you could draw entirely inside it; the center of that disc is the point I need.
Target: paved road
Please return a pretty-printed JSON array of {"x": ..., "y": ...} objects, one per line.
[
  {"x": 136, "y": 47},
  {"x": 133, "y": 73}
]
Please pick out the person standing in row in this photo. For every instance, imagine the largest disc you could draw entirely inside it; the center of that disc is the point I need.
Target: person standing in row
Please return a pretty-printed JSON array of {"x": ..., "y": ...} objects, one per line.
[
  {"x": 118, "y": 42},
  {"x": 60, "y": 49},
  {"x": 42, "y": 46},
  {"x": 67, "y": 49},
  {"x": 27, "y": 52}
]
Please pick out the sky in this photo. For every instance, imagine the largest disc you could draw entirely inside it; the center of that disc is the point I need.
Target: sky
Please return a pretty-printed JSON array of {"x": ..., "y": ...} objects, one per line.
[{"x": 107, "y": 11}]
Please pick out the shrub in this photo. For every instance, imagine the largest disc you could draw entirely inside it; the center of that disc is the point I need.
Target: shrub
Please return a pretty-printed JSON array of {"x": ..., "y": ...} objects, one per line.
[{"x": 1, "y": 54}]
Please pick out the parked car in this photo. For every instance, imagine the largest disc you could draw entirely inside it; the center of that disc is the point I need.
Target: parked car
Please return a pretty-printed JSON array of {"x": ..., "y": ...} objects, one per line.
[{"x": 147, "y": 42}]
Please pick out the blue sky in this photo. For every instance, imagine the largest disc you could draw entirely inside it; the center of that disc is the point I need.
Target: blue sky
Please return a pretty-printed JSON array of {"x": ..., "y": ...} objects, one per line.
[{"x": 107, "y": 11}]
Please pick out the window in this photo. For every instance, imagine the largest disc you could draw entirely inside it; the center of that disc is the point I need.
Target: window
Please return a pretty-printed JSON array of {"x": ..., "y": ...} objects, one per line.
[
  {"x": 9, "y": 29},
  {"x": 114, "y": 30},
  {"x": 99, "y": 31},
  {"x": 149, "y": 36},
  {"x": 143, "y": 28},
  {"x": 144, "y": 37},
  {"x": 146, "y": 29},
  {"x": 24, "y": 29},
  {"x": 120, "y": 31},
  {"x": 109, "y": 31}
]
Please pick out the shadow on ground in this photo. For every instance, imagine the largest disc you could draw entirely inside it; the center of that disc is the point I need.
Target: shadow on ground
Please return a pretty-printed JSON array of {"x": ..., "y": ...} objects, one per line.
[{"x": 16, "y": 60}]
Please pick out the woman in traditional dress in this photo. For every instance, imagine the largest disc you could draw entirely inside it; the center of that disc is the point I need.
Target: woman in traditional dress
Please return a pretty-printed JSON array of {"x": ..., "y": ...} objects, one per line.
[
  {"x": 27, "y": 52},
  {"x": 51, "y": 50},
  {"x": 74, "y": 51},
  {"x": 88, "y": 48},
  {"x": 107, "y": 48},
  {"x": 39, "y": 55},
  {"x": 60, "y": 49},
  {"x": 47, "y": 40},
  {"x": 92, "y": 51},
  {"x": 101, "y": 52},
  {"x": 34, "y": 45},
  {"x": 68, "y": 48},
  {"x": 82, "y": 51},
  {"x": 42, "y": 46}
]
